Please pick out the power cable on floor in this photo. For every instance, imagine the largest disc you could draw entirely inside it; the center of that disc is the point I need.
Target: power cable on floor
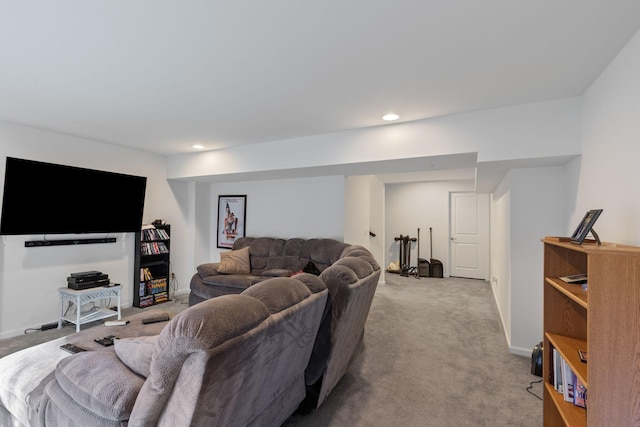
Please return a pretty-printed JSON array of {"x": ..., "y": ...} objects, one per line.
[{"x": 531, "y": 386}]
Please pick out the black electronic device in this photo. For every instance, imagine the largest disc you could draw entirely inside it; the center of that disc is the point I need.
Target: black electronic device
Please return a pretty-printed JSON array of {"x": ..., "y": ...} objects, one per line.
[
  {"x": 88, "y": 285},
  {"x": 85, "y": 274},
  {"x": 85, "y": 279},
  {"x": 72, "y": 348},
  {"x": 155, "y": 319},
  {"x": 536, "y": 360},
  {"x": 48, "y": 198},
  {"x": 106, "y": 341}
]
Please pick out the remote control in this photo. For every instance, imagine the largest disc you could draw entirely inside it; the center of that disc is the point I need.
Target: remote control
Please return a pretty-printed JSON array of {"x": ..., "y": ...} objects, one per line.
[
  {"x": 72, "y": 348},
  {"x": 106, "y": 341},
  {"x": 116, "y": 322},
  {"x": 155, "y": 319}
]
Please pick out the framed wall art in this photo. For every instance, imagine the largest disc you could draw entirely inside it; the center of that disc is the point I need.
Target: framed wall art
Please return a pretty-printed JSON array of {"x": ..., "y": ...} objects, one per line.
[{"x": 232, "y": 217}]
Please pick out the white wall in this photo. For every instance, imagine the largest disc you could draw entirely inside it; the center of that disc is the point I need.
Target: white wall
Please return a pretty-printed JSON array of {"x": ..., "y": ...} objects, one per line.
[
  {"x": 500, "y": 257},
  {"x": 363, "y": 213},
  {"x": 306, "y": 208},
  {"x": 357, "y": 206},
  {"x": 609, "y": 175},
  {"x": 377, "y": 221},
  {"x": 410, "y": 206},
  {"x": 528, "y": 205},
  {"x": 30, "y": 277},
  {"x": 538, "y": 130},
  {"x": 537, "y": 210},
  {"x": 202, "y": 224}
]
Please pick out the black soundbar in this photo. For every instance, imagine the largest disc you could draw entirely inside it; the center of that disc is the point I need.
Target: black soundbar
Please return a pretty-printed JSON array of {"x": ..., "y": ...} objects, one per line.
[{"x": 39, "y": 243}]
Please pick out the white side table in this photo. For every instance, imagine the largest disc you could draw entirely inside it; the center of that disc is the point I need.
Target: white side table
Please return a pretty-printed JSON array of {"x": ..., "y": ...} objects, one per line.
[{"x": 85, "y": 296}]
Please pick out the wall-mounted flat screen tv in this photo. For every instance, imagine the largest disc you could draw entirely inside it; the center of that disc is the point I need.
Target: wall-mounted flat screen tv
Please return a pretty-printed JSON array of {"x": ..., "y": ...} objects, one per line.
[{"x": 47, "y": 198}]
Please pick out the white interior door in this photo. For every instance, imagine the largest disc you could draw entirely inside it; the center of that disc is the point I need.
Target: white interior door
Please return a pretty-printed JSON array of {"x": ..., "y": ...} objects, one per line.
[{"x": 469, "y": 244}]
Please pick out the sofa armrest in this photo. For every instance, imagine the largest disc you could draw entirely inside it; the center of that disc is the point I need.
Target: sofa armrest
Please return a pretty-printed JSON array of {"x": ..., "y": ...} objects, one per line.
[{"x": 208, "y": 269}]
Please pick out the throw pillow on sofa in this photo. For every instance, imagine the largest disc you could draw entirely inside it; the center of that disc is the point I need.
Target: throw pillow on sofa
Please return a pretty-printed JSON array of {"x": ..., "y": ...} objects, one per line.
[{"x": 235, "y": 262}]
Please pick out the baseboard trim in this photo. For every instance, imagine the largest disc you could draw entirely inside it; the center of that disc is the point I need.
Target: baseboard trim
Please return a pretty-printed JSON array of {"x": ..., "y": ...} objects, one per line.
[{"x": 519, "y": 351}]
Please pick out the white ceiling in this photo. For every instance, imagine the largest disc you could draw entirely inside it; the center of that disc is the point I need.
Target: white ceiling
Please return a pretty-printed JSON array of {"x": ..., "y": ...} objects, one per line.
[{"x": 159, "y": 75}]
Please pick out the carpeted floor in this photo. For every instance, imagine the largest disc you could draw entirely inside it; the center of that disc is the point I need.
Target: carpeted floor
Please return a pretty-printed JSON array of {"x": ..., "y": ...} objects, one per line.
[
  {"x": 11, "y": 345},
  {"x": 435, "y": 355}
]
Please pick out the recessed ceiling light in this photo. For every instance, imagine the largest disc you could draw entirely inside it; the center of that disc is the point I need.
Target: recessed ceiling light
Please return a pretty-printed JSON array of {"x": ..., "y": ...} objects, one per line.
[
  {"x": 390, "y": 117},
  {"x": 198, "y": 146}
]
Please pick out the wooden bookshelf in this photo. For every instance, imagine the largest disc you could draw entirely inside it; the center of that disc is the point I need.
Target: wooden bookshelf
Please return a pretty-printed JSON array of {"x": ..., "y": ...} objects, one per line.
[{"x": 604, "y": 320}]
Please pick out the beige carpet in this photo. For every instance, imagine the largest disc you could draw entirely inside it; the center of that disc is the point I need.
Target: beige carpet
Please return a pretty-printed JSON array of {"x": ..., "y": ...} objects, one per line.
[
  {"x": 11, "y": 345},
  {"x": 435, "y": 355}
]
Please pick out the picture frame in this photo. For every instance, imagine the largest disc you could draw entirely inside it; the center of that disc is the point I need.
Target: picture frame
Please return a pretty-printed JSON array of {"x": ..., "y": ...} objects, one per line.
[
  {"x": 586, "y": 226},
  {"x": 232, "y": 219}
]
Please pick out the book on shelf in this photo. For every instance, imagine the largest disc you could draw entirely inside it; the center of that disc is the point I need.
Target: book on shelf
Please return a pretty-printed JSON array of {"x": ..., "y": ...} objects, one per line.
[
  {"x": 146, "y": 301},
  {"x": 154, "y": 286},
  {"x": 161, "y": 297},
  {"x": 153, "y": 248},
  {"x": 568, "y": 381},
  {"x": 557, "y": 371},
  {"x": 580, "y": 394},
  {"x": 145, "y": 274},
  {"x": 154, "y": 234}
]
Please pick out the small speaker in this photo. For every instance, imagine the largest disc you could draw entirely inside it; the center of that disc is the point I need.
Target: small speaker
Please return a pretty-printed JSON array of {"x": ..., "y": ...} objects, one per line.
[{"x": 536, "y": 360}]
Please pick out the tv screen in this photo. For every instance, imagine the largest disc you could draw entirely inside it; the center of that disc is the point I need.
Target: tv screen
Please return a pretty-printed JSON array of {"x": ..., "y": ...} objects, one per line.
[{"x": 47, "y": 198}]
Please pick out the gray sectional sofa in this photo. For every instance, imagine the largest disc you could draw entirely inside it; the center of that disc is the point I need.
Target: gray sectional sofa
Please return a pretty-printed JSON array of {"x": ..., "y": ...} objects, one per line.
[
  {"x": 249, "y": 353},
  {"x": 351, "y": 274},
  {"x": 269, "y": 257},
  {"x": 236, "y": 360}
]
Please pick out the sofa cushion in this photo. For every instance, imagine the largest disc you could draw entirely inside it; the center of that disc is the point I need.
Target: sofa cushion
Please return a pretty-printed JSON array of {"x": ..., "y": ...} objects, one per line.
[
  {"x": 277, "y": 272},
  {"x": 278, "y": 293},
  {"x": 99, "y": 382},
  {"x": 266, "y": 253},
  {"x": 235, "y": 262},
  {"x": 238, "y": 281},
  {"x": 322, "y": 252},
  {"x": 136, "y": 353}
]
